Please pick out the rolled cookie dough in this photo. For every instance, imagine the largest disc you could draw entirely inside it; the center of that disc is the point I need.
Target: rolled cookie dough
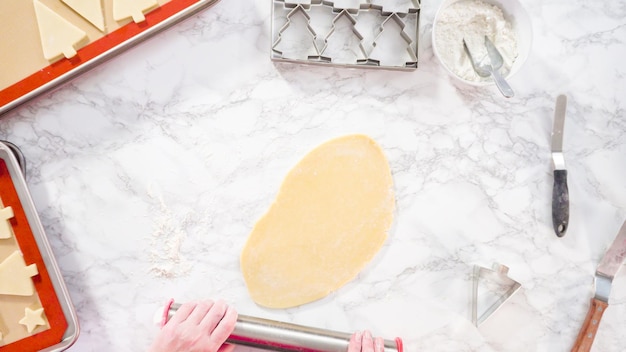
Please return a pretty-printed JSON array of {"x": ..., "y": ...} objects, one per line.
[
  {"x": 32, "y": 318},
  {"x": 91, "y": 10},
  {"x": 58, "y": 35},
  {"x": 123, "y": 9},
  {"x": 330, "y": 218},
  {"x": 5, "y": 226},
  {"x": 15, "y": 276}
]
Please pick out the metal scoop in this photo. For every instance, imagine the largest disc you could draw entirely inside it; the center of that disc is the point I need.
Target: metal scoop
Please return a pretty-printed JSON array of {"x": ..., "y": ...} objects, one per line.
[{"x": 489, "y": 66}]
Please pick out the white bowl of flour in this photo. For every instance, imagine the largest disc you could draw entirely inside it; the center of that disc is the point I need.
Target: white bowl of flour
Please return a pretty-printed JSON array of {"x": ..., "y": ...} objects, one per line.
[{"x": 505, "y": 22}]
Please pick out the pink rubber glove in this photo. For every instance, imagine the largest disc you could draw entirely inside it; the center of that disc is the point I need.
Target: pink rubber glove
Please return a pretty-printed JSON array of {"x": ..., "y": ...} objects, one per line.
[
  {"x": 364, "y": 342},
  {"x": 197, "y": 327}
]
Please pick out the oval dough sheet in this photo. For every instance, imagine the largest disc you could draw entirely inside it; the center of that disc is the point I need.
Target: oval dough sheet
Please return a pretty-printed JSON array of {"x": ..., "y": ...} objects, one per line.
[{"x": 329, "y": 219}]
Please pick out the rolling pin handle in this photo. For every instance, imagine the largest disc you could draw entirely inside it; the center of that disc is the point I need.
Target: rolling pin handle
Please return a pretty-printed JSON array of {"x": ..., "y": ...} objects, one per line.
[{"x": 399, "y": 345}]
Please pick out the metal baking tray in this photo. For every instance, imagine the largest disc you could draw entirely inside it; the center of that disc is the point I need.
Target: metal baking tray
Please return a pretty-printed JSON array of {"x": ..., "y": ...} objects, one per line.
[
  {"x": 14, "y": 160},
  {"x": 101, "y": 54},
  {"x": 346, "y": 33}
]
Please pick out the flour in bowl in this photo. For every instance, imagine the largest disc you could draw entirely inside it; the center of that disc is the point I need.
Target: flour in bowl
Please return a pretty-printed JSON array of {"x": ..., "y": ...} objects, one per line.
[{"x": 472, "y": 20}]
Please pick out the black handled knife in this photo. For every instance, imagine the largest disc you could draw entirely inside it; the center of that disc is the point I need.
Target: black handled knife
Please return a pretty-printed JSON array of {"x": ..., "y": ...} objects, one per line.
[{"x": 560, "y": 191}]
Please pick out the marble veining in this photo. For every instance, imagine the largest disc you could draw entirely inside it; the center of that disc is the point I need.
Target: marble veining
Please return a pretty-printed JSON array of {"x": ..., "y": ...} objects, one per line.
[{"x": 149, "y": 172}]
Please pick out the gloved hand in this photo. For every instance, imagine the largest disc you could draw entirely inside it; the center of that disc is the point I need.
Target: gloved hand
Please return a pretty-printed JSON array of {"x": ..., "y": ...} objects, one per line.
[
  {"x": 197, "y": 327},
  {"x": 364, "y": 342}
]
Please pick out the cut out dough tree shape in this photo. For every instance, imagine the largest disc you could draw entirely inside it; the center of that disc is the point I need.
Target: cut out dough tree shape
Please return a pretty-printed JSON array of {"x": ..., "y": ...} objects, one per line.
[
  {"x": 5, "y": 225},
  {"x": 15, "y": 276},
  {"x": 122, "y": 9},
  {"x": 58, "y": 36},
  {"x": 91, "y": 10},
  {"x": 32, "y": 318}
]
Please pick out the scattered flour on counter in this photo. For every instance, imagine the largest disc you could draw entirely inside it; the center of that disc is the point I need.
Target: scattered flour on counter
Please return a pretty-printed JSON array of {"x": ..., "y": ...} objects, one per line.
[
  {"x": 166, "y": 241},
  {"x": 472, "y": 20}
]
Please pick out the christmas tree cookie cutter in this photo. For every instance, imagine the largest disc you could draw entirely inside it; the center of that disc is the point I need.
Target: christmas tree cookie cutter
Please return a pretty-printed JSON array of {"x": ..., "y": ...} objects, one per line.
[
  {"x": 299, "y": 9},
  {"x": 497, "y": 275},
  {"x": 361, "y": 49},
  {"x": 311, "y": 28},
  {"x": 408, "y": 40},
  {"x": 412, "y": 7}
]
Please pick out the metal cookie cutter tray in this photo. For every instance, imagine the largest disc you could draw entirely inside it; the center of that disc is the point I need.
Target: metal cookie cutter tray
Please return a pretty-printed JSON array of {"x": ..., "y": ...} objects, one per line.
[
  {"x": 15, "y": 165},
  {"x": 349, "y": 33}
]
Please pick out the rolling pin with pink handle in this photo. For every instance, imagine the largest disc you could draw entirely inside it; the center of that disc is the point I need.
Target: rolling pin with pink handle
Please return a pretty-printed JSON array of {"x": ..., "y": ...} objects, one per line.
[{"x": 280, "y": 336}]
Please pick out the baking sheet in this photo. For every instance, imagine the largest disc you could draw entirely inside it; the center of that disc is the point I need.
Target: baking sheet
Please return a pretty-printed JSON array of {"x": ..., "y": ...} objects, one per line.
[
  {"x": 12, "y": 307},
  {"x": 25, "y": 73},
  {"x": 61, "y": 328}
]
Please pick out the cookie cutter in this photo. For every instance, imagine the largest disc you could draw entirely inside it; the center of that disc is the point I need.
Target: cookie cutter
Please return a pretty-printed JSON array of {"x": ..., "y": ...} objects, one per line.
[
  {"x": 343, "y": 14},
  {"x": 297, "y": 9},
  {"x": 498, "y": 274},
  {"x": 359, "y": 5},
  {"x": 414, "y": 8},
  {"x": 409, "y": 41},
  {"x": 316, "y": 53}
]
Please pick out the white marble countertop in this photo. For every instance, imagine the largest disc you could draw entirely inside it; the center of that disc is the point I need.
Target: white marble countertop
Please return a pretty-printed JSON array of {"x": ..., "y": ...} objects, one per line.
[{"x": 150, "y": 171}]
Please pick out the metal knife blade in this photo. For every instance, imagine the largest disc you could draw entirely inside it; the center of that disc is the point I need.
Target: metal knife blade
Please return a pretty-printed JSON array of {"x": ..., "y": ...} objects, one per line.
[
  {"x": 557, "y": 132},
  {"x": 611, "y": 263},
  {"x": 560, "y": 191},
  {"x": 606, "y": 271}
]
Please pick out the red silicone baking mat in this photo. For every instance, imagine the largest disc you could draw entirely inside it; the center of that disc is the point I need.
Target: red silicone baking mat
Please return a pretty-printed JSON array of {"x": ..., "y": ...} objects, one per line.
[
  {"x": 43, "y": 285},
  {"x": 25, "y": 73}
]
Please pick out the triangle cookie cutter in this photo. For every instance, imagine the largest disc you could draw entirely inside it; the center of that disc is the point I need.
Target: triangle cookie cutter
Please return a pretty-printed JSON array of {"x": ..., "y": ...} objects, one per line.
[{"x": 498, "y": 274}]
